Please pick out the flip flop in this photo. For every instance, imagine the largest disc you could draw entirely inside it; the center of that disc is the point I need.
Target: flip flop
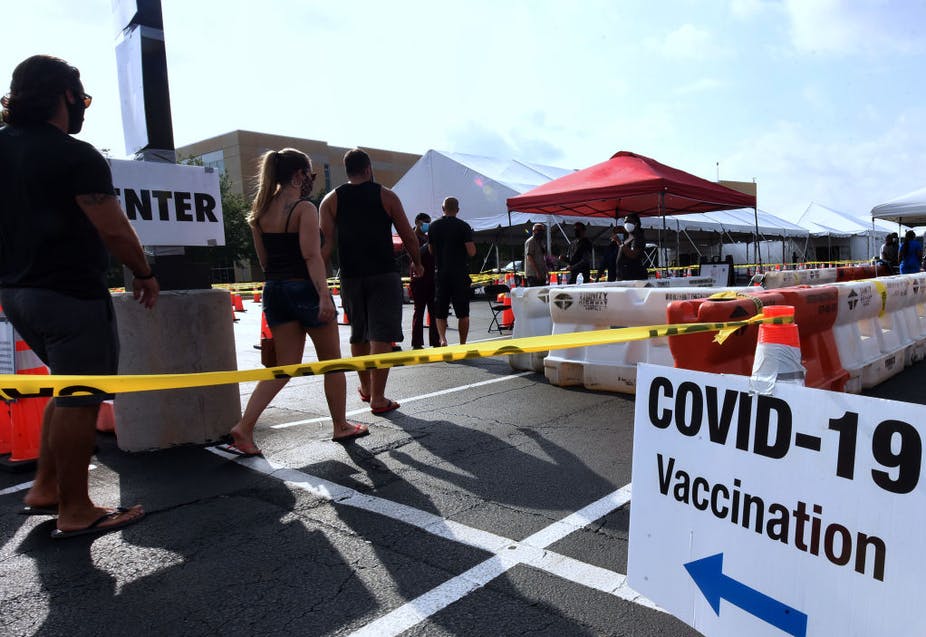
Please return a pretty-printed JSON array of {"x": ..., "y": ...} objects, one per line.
[
  {"x": 363, "y": 397},
  {"x": 49, "y": 510},
  {"x": 359, "y": 432},
  {"x": 95, "y": 527},
  {"x": 235, "y": 451},
  {"x": 391, "y": 406}
]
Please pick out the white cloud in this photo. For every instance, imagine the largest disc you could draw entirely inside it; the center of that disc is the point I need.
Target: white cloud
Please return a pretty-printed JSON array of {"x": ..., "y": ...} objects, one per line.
[
  {"x": 689, "y": 42},
  {"x": 747, "y": 8},
  {"x": 852, "y": 26},
  {"x": 794, "y": 166},
  {"x": 703, "y": 85}
]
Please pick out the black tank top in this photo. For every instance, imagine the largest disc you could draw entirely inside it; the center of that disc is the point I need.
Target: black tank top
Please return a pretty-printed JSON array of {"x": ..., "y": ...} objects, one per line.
[
  {"x": 284, "y": 255},
  {"x": 364, "y": 231}
]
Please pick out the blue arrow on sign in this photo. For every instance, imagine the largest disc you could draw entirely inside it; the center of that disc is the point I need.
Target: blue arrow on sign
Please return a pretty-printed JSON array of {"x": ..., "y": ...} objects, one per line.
[{"x": 707, "y": 574}]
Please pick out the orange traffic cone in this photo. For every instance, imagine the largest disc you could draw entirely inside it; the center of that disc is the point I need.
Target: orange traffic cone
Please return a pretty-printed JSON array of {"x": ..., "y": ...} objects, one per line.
[
  {"x": 257, "y": 297},
  {"x": 264, "y": 328},
  {"x": 237, "y": 303},
  {"x": 26, "y": 413},
  {"x": 6, "y": 429},
  {"x": 106, "y": 419},
  {"x": 778, "y": 353}
]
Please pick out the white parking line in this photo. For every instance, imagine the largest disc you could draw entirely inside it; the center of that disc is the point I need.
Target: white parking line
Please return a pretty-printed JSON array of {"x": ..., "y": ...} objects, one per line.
[
  {"x": 507, "y": 553},
  {"x": 403, "y": 401}
]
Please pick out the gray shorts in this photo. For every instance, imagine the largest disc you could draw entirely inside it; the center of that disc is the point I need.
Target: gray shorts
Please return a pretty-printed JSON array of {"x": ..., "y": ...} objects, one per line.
[
  {"x": 374, "y": 307},
  {"x": 72, "y": 336}
]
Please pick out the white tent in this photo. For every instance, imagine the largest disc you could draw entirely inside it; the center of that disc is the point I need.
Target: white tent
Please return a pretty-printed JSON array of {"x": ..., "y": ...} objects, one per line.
[
  {"x": 856, "y": 238},
  {"x": 481, "y": 184},
  {"x": 909, "y": 209}
]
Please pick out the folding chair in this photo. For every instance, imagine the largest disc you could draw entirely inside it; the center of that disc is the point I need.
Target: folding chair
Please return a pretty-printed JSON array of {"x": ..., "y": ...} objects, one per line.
[{"x": 492, "y": 292}]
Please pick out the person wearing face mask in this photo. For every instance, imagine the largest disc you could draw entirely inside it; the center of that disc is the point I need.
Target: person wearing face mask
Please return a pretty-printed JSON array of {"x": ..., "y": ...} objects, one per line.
[
  {"x": 58, "y": 218},
  {"x": 296, "y": 300},
  {"x": 535, "y": 255},
  {"x": 630, "y": 255},
  {"x": 422, "y": 288}
]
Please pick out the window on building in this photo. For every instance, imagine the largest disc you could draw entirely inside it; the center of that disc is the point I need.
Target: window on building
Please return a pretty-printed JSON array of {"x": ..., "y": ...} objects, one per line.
[{"x": 214, "y": 160}]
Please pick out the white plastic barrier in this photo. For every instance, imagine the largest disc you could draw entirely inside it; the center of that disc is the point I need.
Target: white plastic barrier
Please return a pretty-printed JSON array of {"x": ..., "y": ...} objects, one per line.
[
  {"x": 611, "y": 367},
  {"x": 896, "y": 337},
  {"x": 918, "y": 308},
  {"x": 531, "y": 307},
  {"x": 787, "y": 278},
  {"x": 863, "y": 350},
  {"x": 532, "y": 311}
]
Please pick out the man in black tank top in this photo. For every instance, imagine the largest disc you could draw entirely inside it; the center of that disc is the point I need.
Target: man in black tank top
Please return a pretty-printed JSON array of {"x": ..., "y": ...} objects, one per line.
[{"x": 359, "y": 217}]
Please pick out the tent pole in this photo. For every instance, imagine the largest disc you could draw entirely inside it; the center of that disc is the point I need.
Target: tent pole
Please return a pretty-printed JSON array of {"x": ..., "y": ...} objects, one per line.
[
  {"x": 755, "y": 212},
  {"x": 662, "y": 210}
]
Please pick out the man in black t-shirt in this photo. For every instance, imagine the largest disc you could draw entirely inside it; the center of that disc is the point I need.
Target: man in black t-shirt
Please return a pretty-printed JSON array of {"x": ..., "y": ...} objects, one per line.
[
  {"x": 451, "y": 243},
  {"x": 58, "y": 217}
]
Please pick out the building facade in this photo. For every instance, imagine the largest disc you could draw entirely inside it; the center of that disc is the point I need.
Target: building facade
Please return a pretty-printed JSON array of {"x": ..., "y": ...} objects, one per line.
[{"x": 238, "y": 153}]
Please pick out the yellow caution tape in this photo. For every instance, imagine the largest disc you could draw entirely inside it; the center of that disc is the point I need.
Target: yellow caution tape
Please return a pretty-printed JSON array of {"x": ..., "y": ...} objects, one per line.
[
  {"x": 882, "y": 290},
  {"x": 15, "y": 386}
]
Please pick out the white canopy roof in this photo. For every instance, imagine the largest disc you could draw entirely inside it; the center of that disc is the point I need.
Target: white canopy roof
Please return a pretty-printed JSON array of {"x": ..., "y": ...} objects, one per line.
[
  {"x": 909, "y": 209},
  {"x": 738, "y": 221},
  {"x": 822, "y": 221},
  {"x": 481, "y": 184}
]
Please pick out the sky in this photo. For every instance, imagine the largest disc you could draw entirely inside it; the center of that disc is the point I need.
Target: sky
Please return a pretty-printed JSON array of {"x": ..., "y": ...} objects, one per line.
[{"x": 815, "y": 100}]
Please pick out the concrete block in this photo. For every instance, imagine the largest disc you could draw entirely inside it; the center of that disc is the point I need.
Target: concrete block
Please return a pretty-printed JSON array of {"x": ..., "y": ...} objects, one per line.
[{"x": 187, "y": 331}]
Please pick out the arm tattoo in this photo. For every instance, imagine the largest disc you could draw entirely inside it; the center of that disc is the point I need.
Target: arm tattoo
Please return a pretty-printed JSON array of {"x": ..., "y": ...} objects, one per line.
[{"x": 94, "y": 199}]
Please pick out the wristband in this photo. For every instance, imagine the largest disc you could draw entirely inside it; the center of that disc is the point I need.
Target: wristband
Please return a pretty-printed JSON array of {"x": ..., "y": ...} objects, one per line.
[{"x": 143, "y": 278}]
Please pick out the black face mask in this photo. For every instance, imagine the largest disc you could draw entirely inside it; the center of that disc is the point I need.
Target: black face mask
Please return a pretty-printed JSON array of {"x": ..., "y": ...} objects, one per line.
[{"x": 75, "y": 115}]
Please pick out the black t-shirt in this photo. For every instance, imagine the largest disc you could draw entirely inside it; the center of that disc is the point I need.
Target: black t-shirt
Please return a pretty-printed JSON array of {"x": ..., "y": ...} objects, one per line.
[
  {"x": 449, "y": 236},
  {"x": 46, "y": 240}
]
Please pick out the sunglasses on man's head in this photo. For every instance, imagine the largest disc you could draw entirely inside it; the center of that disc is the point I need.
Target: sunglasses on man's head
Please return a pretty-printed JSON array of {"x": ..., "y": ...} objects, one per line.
[{"x": 87, "y": 100}]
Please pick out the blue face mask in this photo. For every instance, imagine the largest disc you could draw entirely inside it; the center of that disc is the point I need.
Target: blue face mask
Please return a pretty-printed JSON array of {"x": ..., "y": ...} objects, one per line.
[{"x": 425, "y": 226}]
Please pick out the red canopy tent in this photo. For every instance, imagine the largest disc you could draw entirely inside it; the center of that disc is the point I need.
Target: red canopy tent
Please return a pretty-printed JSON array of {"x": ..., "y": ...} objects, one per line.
[{"x": 629, "y": 183}]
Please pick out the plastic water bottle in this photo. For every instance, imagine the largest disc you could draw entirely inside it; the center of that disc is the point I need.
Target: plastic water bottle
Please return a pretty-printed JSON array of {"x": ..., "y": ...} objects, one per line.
[{"x": 580, "y": 279}]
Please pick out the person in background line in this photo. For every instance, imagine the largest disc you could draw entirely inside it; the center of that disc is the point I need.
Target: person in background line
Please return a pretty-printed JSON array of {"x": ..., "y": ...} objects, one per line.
[
  {"x": 889, "y": 251},
  {"x": 359, "y": 216},
  {"x": 578, "y": 257},
  {"x": 422, "y": 289},
  {"x": 535, "y": 257},
  {"x": 608, "y": 269},
  {"x": 451, "y": 243},
  {"x": 910, "y": 253},
  {"x": 58, "y": 217},
  {"x": 296, "y": 302},
  {"x": 630, "y": 265}
]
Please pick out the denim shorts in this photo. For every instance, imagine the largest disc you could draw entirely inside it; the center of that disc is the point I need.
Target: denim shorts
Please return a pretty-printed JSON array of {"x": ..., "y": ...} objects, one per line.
[
  {"x": 72, "y": 336},
  {"x": 291, "y": 300}
]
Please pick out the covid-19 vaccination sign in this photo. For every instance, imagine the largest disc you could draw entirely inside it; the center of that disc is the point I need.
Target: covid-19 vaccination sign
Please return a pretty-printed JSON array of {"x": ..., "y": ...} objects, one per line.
[
  {"x": 170, "y": 204},
  {"x": 798, "y": 513}
]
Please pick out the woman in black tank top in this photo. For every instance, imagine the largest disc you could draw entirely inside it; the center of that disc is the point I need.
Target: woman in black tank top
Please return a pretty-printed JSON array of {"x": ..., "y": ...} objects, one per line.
[{"x": 284, "y": 224}]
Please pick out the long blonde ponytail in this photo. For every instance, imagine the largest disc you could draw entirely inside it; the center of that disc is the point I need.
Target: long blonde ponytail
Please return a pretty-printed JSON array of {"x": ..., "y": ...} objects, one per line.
[{"x": 276, "y": 167}]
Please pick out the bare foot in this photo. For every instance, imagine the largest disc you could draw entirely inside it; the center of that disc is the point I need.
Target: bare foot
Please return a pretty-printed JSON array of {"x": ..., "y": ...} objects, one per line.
[
  {"x": 38, "y": 499},
  {"x": 243, "y": 441},
  {"x": 99, "y": 518},
  {"x": 349, "y": 432}
]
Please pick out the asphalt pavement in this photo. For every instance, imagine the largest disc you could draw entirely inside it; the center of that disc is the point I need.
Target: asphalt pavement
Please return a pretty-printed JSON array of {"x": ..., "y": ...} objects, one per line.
[{"x": 491, "y": 502}]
